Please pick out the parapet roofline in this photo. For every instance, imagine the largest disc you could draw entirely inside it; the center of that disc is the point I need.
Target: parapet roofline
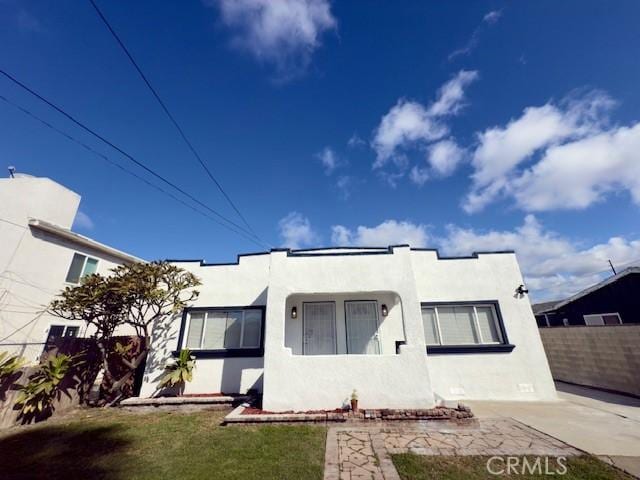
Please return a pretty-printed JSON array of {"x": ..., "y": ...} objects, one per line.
[
  {"x": 81, "y": 240},
  {"x": 331, "y": 252}
]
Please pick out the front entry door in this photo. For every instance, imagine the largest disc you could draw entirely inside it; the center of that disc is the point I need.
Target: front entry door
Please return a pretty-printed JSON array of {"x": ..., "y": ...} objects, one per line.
[
  {"x": 319, "y": 328},
  {"x": 362, "y": 327}
]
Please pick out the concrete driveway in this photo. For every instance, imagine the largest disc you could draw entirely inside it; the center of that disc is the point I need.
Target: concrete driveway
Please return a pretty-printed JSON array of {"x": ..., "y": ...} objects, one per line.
[{"x": 600, "y": 423}]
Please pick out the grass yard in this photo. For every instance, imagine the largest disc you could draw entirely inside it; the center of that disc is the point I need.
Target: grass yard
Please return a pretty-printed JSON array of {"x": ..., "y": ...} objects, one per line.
[
  {"x": 113, "y": 444},
  {"x": 420, "y": 467}
]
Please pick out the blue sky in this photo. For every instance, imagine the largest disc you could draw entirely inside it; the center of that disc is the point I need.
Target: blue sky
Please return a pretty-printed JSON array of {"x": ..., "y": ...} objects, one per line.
[{"x": 461, "y": 126}]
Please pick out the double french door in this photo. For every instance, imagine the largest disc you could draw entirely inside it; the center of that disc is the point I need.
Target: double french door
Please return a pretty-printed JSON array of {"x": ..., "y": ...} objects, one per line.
[{"x": 361, "y": 328}]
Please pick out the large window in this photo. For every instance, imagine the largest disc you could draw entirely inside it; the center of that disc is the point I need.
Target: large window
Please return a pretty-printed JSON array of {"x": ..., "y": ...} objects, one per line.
[
  {"x": 462, "y": 324},
  {"x": 81, "y": 265},
  {"x": 224, "y": 329}
]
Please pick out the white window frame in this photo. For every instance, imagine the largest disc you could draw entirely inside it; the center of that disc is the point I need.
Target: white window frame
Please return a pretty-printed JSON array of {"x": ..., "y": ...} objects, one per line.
[
  {"x": 601, "y": 316},
  {"x": 206, "y": 321},
  {"x": 476, "y": 324},
  {"x": 84, "y": 265}
]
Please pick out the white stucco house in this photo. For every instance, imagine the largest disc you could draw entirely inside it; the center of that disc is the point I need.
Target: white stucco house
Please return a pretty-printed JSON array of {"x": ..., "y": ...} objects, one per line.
[
  {"x": 404, "y": 327},
  {"x": 39, "y": 256}
]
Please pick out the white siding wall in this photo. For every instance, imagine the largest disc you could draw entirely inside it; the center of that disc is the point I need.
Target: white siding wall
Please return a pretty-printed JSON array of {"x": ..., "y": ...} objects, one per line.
[
  {"x": 222, "y": 286},
  {"x": 522, "y": 374},
  {"x": 402, "y": 280}
]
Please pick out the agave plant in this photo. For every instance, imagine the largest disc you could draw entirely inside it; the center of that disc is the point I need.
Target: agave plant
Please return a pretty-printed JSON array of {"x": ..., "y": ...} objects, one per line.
[
  {"x": 38, "y": 394},
  {"x": 9, "y": 365},
  {"x": 181, "y": 371}
]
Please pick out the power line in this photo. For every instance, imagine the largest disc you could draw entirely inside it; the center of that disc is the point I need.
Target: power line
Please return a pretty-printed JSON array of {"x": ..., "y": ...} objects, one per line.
[
  {"x": 117, "y": 165},
  {"x": 121, "y": 151},
  {"x": 168, "y": 113}
]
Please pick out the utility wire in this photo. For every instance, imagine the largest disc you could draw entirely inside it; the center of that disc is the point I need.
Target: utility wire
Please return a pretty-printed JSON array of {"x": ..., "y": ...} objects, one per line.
[
  {"x": 121, "y": 151},
  {"x": 168, "y": 113},
  {"x": 117, "y": 165}
]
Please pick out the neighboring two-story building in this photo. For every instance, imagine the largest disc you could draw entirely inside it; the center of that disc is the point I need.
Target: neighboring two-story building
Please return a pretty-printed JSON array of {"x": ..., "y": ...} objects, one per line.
[{"x": 39, "y": 256}]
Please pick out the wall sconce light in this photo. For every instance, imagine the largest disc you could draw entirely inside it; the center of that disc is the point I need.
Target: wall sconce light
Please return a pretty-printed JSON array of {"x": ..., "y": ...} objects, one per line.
[
  {"x": 294, "y": 312},
  {"x": 521, "y": 290},
  {"x": 385, "y": 311}
]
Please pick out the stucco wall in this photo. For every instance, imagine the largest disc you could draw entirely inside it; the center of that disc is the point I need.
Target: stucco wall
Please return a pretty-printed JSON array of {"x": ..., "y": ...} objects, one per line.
[
  {"x": 222, "y": 286},
  {"x": 325, "y": 381},
  {"x": 599, "y": 356},
  {"x": 402, "y": 279},
  {"x": 522, "y": 374}
]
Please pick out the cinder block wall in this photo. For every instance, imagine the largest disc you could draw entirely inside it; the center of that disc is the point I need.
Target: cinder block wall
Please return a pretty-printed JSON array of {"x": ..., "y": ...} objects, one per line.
[{"x": 598, "y": 356}]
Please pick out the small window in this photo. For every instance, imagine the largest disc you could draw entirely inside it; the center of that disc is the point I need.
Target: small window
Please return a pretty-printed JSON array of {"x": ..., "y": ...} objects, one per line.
[
  {"x": 58, "y": 331},
  {"x": 81, "y": 265},
  {"x": 224, "y": 329},
  {"x": 602, "y": 319},
  {"x": 461, "y": 325}
]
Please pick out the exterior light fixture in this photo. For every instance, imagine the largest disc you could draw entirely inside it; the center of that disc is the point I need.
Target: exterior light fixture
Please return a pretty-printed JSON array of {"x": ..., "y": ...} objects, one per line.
[
  {"x": 294, "y": 312},
  {"x": 385, "y": 311},
  {"x": 521, "y": 290}
]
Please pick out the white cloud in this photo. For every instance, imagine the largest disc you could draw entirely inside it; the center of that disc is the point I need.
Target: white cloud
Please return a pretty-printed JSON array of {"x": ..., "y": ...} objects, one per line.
[
  {"x": 82, "y": 221},
  {"x": 329, "y": 160},
  {"x": 406, "y": 123},
  {"x": 554, "y": 267},
  {"x": 492, "y": 17},
  {"x": 451, "y": 94},
  {"x": 355, "y": 141},
  {"x": 284, "y": 33},
  {"x": 296, "y": 231},
  {"x": 444, "y": 157},
  {"x": 409, "y": 123},
  {"x": 489, "y": 19},
  {"x": 594, "y": 166},
  {"x": 419, "y": 175},
  {"x": 532, "y": 158},
  {"x": 344, "y": 185},
  {"x": 389, "y": 232}
]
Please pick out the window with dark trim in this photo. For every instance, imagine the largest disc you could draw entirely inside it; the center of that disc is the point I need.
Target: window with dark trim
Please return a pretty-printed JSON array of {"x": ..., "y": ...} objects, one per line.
[
  {"x": 459, "y": 327},
  {"x": 223, "y": 331}
]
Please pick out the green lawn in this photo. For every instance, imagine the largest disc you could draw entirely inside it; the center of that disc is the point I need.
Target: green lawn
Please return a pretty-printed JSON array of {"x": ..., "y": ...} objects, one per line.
[
  {"x": 112, "y": 444},
  {"x": 420, "y": 467}
]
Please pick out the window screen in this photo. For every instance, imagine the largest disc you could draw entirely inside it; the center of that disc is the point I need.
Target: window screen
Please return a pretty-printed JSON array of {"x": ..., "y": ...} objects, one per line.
[
  {"x": 456, "y": 325},
  {"x": 219, "y": 329},
  {"x": 450, "y": 324}
]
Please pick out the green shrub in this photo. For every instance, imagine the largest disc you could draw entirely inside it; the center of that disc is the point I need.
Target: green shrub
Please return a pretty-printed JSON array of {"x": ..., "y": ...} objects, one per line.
[
  {"x": 10, "y": 365},
  {"x": 181, "y": 371},
  {"x": 44, "y": 385}
]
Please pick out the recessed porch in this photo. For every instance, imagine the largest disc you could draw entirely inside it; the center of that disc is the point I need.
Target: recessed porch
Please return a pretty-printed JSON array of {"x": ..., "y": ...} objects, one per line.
[{"x": 344, "y": 324}]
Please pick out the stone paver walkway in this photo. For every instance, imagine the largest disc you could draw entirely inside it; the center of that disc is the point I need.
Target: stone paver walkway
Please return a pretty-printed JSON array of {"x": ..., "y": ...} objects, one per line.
[{"x": 359, "y": 452}]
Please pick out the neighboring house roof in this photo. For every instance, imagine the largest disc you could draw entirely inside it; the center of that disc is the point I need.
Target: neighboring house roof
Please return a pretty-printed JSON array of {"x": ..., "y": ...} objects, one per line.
[
  {"x": 598, "y": 286},
  {"x": 544, "y": 306},
  {"x": 81, "y": 240}
]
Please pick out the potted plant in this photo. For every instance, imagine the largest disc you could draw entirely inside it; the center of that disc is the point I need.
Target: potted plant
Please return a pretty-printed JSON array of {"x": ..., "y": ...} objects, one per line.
[
  {"x": 354, "y": 401},
  {"x": 179, "y": 372}
]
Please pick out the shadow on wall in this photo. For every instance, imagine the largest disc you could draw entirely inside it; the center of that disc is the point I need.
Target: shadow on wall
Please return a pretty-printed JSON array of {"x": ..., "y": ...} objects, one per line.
[
  {"x": 233, "y": 368},
  {"x": 164, "y": 340},
  {"x": 65, "y": 452}
]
